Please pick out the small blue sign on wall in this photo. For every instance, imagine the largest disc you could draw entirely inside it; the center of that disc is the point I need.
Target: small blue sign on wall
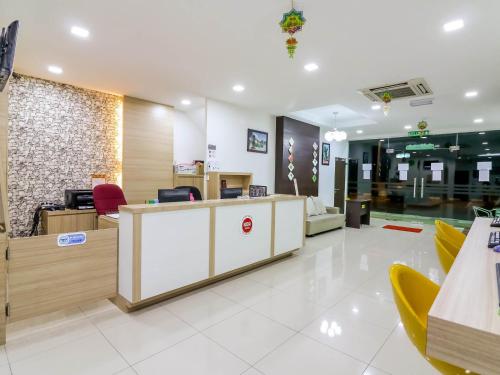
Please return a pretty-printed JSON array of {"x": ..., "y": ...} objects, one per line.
[{"x": 71, "y": 239}]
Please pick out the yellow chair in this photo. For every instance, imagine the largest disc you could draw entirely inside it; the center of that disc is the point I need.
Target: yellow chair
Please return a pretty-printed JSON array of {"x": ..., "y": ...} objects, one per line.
[
  {"x": 449, "y": 233},
  {"x": 414, "y": 295},
  {"x": 446, "y": 258}
]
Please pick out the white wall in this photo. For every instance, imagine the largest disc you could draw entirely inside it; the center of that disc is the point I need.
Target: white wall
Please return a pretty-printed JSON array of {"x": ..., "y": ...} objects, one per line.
[
  {"x": 327, "y": 172},
  {"x": 189, "y": 135},
  {"x": 227, "y": 126}
]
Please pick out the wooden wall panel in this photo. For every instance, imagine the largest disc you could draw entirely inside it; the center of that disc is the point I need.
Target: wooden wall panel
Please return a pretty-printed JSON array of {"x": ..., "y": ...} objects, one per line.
[
  {"x": 4, "y": 126},
  {"x": 304, "y": 136},
  {"x": 147, "y": 149},
  {"x": 44, "y": 277}
]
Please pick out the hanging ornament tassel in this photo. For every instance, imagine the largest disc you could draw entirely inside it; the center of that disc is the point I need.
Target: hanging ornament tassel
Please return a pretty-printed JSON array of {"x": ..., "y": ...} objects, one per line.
[
  {"x": 387, "y": 98},
  {"x": 291, "y": 46}
]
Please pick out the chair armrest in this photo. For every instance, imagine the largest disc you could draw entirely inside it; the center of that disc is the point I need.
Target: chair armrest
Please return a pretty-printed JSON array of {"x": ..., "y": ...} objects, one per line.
[{"x": 333, "y": 210}]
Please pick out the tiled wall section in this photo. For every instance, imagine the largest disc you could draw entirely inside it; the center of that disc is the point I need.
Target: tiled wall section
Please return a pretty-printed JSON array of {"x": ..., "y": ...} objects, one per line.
[{"x": 59, "y": 135}]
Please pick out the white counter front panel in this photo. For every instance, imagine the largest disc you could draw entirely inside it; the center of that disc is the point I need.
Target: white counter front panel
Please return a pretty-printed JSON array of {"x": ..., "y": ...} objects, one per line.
[
  {"x": 289, "y": 226},
  {"x": 175, "y": 250},
  {"x": 233, "y": 247}
]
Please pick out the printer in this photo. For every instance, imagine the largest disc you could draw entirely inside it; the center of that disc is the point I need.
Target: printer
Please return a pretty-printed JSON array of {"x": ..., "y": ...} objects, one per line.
[{"x": 79, "y": 199}]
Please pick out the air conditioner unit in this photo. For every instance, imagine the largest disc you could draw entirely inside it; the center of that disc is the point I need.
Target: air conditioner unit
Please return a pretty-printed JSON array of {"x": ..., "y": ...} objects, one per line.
[{"x": 409, "y": 89}]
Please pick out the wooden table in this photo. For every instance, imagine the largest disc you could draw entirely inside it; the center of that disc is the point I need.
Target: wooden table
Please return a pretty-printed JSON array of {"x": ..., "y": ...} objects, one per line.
[
  {"x": 357, "y": 212},
  {"x": 463, "y": 323}
]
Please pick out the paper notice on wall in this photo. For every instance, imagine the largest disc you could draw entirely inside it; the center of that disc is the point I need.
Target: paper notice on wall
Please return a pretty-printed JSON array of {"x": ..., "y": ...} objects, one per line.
[
  {"x": 484, "y": 175},
  {"x": 367, "y": 167},
  {"x": 403, "y": 175},
  {"x": 436, "y": 175},
  {"x": 484, "y": 165},
  {"x": 212, "y": 162},
  {"x": 437, "y": 166},
  {"x": 366, "y": 175},
  {"x": 403, "y": 166}
]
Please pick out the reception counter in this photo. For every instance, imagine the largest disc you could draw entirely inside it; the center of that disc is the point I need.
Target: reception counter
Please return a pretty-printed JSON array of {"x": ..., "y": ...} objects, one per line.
[{"x": 167, "y": 249}]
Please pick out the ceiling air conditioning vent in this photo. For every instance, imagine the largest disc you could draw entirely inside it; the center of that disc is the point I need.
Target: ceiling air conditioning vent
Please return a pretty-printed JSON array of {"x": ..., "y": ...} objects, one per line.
[{"x": 410, "y": 89}]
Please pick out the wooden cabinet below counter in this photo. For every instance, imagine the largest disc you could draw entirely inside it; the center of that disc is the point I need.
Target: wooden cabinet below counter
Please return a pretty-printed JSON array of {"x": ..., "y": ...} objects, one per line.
[{"x": 65, "y": 221}]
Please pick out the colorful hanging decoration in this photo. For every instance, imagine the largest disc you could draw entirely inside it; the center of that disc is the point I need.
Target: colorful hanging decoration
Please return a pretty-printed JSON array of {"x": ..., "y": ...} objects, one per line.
[
  {"x": 290, "y": 24},
  {"x": 387, "y": 98},
  {"x": 422, "y": 126}
]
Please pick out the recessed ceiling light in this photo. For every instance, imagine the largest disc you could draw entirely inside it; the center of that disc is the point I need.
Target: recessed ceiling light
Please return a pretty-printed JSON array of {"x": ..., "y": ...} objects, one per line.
[
  {"x": 427, "y": 155},
  {"x": 481, "y": 133},
  {"x": 238, "y": 88},
  {"x": 485, "y": 143},
  {"x": 376, "y": 107},
  {"x": 453, "y": 25},
  {"x": 471, "y": 94},
  {"x": 414, "y": 152},
  {"x": 359, "y": 131},
  {"x": 55, "y": 69},
  {"x": 423, "y": 137},
  {"x": 486, "y": 149},
  {"x": 407, "y": 127},
  {"x": 311, "y": 67},
  {"x": 186, "y": 102},
  {"x": 80, "y": 32},
  {"x": 381, "y": 140},
  {"x": 478, "y": 121}
]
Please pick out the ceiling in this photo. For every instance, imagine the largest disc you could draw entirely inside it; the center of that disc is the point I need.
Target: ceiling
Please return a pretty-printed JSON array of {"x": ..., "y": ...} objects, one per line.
[{"x": 168, "y": 50}]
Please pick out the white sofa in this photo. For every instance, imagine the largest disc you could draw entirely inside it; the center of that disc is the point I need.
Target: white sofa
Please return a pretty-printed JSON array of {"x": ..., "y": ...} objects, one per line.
[{"x": 320, "y": 218}]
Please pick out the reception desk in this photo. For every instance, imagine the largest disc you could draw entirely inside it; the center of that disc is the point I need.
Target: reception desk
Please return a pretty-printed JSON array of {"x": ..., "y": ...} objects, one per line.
[{"x": 167, "y": 249}]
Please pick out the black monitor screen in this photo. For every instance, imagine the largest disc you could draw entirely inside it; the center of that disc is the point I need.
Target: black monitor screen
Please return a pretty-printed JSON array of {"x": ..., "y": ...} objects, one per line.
[
  {"x": 257, "y": 191},
  {"x": 173, "y": 195},
  {"x": 228, "y": 193}
]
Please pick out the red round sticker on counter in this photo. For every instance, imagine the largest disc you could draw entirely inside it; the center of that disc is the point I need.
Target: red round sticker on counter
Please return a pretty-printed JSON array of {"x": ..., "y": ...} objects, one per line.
[{"x": 246, "y": 225}]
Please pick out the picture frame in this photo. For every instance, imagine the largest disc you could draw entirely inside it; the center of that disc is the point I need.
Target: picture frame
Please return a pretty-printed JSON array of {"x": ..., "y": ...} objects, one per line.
[
  {"x": 325, "y": 154},
  {"x": 257, "y": 141}
]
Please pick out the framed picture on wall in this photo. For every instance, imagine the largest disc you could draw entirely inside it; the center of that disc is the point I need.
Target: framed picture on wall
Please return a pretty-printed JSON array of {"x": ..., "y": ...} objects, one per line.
[
  {"x": 325, "y": 154},
  {"x": 257, "y": 141}
]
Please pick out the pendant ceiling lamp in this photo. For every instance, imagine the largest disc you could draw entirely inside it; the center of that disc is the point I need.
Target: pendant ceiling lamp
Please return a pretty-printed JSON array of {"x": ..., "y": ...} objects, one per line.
[
  {"x": 335, "y": 135},
  {"x": 292, "y": 22}
]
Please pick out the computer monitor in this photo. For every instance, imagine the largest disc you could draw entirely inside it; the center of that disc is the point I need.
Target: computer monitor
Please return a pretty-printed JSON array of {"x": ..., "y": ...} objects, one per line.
[
  {"x": 257, "y": 191},
  {"x": 228, "y": 193},
  {"x": 173, "y": 195}
]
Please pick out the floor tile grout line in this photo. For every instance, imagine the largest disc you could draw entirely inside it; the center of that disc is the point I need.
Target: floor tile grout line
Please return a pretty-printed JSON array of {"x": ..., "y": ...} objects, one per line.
[{"x": 383, "y": 344}]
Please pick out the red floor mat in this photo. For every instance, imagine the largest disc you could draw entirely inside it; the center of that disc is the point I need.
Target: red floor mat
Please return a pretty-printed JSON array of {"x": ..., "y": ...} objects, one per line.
[{"x": 404, "y": 229}]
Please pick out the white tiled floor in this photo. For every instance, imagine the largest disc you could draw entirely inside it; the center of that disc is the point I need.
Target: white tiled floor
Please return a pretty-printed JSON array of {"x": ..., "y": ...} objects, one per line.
[{"x": 326, "y": 310}]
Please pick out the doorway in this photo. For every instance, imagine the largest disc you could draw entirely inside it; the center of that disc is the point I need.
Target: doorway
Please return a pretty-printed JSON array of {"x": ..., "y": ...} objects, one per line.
[{"x": 339, "y": 189}]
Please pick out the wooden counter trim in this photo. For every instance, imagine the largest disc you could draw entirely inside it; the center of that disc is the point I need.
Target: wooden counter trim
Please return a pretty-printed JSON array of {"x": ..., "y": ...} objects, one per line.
[
  {"x": 137, "y": 254},
  {"x": 163, "y": 207},
  {"x": 68, "y": 211},
  {"x": 466, "y": 347},
  {"x": 273, "y": 226},
  {"x": 126, "y": 306},
  {"x": 211, "y": 259}
]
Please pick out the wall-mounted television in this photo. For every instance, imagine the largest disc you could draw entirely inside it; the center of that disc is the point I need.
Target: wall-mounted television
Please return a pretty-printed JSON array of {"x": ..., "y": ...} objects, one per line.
[{"x": 7, "y": 50}]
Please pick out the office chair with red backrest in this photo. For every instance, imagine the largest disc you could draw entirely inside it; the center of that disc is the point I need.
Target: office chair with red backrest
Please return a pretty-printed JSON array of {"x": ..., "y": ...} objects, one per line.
[{"x": 107, "y": 198}]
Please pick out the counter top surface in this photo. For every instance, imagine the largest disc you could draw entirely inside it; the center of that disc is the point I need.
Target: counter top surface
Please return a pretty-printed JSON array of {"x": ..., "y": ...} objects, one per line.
[{"x": 174, "y": 206}]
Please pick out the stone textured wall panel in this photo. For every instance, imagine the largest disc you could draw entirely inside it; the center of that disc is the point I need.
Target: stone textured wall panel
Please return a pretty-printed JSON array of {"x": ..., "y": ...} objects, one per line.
[{"x": 59, "y": 135}]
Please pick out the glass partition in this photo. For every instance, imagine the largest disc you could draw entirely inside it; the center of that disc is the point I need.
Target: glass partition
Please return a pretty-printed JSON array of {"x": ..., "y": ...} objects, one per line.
[{"x": 427, "y": 176}]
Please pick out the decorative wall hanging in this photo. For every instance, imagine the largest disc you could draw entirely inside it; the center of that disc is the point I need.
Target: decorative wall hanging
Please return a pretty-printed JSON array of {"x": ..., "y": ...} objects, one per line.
[
  {"x": 257, "y": 141},
  {"x": 292, "y": 22},
  {"x": 387, "y": 98},
  {"x": 315, "y": 162},
  {"x": 325, "y": 153},
  {"x": 291, "y": 167}
]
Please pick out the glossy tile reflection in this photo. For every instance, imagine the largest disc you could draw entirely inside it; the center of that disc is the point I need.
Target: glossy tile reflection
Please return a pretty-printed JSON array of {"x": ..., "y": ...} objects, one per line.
[{"x": 327, "y": 310}]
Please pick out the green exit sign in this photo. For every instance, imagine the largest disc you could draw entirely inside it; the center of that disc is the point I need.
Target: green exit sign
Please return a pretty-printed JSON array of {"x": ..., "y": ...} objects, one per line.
[
  {"x": 418, "y": 133},
  {"x": 420, "y": 146}
]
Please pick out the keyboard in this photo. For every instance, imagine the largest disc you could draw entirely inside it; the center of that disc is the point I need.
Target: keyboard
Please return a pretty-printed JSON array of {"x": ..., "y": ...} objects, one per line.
[
  {"x": 494, "y": 239},
  {"x": 495, "y": 222}
]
